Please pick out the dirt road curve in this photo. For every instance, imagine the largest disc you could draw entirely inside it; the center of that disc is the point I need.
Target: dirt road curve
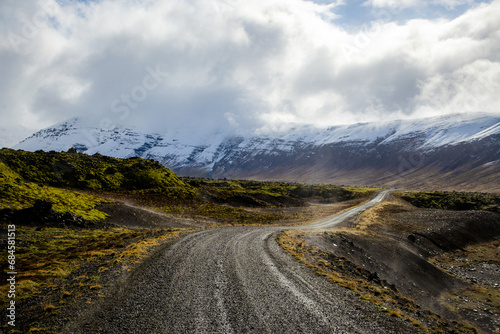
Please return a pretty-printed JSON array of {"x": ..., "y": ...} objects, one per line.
[{"x": 235, "y": 280}]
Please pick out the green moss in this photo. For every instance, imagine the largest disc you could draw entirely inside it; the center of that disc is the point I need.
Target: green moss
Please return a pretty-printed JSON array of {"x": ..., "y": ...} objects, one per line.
[
  {"x": 15, "y": 193},
  {"x": 96, "y": 172},
  {"x": 35, "y": 175},
  {"x": 275, "y": 193},
  {"x": 453, "y": 200}
]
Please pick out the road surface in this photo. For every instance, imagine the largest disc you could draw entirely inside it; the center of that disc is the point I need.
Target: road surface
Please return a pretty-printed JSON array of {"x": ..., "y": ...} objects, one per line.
[{"x": 236, "y": 280}]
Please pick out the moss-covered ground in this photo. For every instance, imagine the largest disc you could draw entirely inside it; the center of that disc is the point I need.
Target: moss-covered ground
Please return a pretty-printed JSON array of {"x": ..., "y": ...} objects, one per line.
[
  {"x": 69, "y": 180},
  {"x": 452, "y": 200}
]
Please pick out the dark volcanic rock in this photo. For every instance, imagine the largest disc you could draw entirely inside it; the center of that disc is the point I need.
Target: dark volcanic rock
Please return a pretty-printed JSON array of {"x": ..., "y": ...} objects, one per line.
[{"x": 41, "y": 214}]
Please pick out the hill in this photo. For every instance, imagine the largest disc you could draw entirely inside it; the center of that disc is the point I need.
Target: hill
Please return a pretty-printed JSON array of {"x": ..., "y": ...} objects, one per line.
[{"x": 78, "y": 183}]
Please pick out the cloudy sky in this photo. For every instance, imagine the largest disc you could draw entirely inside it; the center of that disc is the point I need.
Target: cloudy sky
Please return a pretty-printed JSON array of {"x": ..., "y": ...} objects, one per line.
[{"x": 253, "y": 64}]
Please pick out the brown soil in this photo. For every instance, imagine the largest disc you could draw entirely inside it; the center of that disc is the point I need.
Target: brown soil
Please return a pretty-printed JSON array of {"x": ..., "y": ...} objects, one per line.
[
  {"x": 309, "y": 214},
  {"x": 128, "y": 215}
]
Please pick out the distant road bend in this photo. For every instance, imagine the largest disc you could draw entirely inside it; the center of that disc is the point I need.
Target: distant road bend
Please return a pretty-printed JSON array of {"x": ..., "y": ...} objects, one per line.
[{"x": 236, "y": 280}]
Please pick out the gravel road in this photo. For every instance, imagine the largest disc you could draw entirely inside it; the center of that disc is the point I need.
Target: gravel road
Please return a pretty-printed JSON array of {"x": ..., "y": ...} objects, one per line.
[{"x": 235, "y": 280}]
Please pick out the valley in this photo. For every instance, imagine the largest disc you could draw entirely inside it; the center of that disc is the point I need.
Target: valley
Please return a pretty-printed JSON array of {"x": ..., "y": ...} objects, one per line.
[{"x": 195, "y": 254}]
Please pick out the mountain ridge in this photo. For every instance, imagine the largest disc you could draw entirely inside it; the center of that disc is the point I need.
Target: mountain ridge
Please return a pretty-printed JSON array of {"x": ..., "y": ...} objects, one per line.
[{"x": 438, "y": 152}]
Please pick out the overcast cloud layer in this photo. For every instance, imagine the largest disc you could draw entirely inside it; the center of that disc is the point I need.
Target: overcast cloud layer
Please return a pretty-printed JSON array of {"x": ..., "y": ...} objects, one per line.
[{"x": 245, "y": 64}]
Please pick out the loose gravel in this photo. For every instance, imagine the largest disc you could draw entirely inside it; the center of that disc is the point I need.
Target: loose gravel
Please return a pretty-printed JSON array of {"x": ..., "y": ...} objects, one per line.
[{"x": 234, "y": 280}]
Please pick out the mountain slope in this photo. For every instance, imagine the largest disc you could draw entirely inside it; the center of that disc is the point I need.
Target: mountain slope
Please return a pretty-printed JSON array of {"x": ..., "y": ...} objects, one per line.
[{"x": 448, "y": 152}]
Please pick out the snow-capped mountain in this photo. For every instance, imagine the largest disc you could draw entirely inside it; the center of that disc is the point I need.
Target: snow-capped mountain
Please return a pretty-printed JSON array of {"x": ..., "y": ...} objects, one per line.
[{"x": 437, "y": 151}]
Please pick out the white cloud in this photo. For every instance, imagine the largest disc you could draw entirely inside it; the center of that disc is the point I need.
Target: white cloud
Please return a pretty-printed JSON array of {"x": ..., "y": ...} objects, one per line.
[
  {"x": 400, "y": 4},
  {"x": 473, "y": 87},
  {"x": 239, "y": 64}
]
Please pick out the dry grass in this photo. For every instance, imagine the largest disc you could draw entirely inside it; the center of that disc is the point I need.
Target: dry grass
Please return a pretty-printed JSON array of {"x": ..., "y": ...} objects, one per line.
[
  {"x": 383, "y": 297},
  {"x": 374, "y": 222},
  {"x": 49, "y": 308},
  {"x": 478, "y": 253},
  {"x": 377, "y": 218},
  {"x": 49, "y": 254},
  {"x": 475, "y": 296},
  {"x": 72, "y": 267}
]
